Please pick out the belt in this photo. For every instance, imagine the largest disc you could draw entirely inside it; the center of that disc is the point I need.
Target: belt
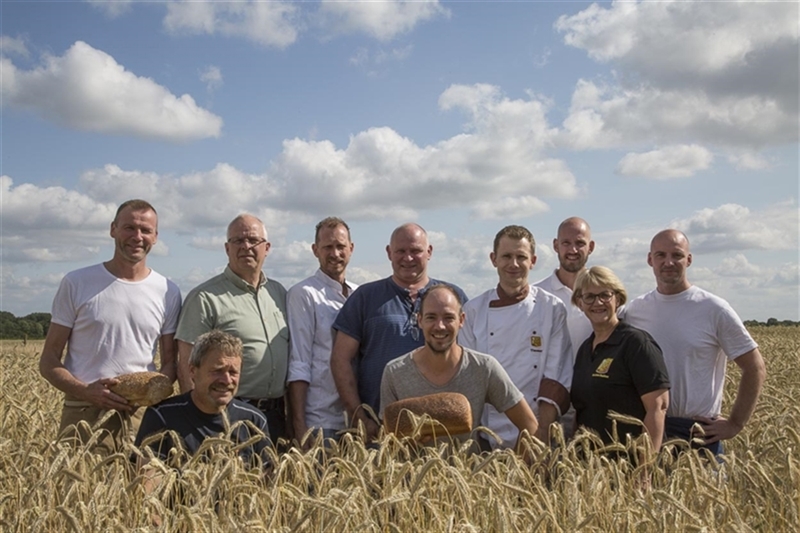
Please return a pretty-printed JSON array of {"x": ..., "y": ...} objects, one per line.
[{"x": 265, "y": 404}]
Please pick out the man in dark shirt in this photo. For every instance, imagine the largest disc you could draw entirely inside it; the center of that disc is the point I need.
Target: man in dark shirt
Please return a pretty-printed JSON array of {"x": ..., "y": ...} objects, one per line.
[{"x": 209, "y": 409}]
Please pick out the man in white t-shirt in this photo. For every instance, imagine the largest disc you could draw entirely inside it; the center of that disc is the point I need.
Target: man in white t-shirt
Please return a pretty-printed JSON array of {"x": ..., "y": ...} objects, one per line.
[
  {"x": 525, "y": 328},
  {"x": 112, "y": 318},
  {"x": 311, "y": 308},
  {"x": 573, "y": 246},
  {"x": 696, "y": 331}
]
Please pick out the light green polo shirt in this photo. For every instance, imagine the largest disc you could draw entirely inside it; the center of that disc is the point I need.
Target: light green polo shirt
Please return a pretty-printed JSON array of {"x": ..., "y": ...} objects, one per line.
[{"x": 256, "y": 315}]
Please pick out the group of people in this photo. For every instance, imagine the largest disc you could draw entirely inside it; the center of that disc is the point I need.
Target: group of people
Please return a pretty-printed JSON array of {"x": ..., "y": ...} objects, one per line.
[{"x": 328, "y": 355}]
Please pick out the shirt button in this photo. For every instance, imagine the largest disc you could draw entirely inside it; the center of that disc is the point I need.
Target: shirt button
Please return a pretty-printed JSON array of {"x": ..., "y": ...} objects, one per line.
[
  {"x": 535, "y": 366},
  {"x": 491, "y": 333}
]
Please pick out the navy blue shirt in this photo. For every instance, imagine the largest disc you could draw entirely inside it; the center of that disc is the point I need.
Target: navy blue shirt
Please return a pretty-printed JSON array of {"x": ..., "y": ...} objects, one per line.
[
  {"x": 614, "y": 377},
  {"x": 181, "y": 415},
  {"x": 381, "y": 316}
]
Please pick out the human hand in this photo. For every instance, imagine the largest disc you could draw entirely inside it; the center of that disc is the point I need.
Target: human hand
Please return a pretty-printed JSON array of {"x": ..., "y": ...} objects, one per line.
[
  {"x": 718, "y": 428},
  {"x": 99, "y": 394},
  {"x": 371, "y": 428}
]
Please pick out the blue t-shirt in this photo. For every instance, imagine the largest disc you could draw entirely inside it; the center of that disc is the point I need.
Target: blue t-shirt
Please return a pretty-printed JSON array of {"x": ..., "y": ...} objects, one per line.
[{"x": 382, "y": 317}]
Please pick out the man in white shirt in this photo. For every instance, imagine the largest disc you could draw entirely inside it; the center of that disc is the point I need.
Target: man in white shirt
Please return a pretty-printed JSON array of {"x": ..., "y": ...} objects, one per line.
[
  {"x": 573, "y": 246},
  {"x": 696, "y": 331},
  {"x": 525, "y": 328},
  {"x": 312, "y": 306},
  {"x": 112, "y": 318}
]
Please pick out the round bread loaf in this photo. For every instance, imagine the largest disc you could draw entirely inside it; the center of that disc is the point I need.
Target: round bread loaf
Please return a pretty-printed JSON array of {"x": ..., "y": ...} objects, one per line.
[
  {"x": 143, "y": 388},
  {"x": 450, "y": 410}
]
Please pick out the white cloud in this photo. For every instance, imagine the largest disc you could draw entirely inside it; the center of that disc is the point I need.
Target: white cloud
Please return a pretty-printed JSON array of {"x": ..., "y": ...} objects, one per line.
[
  {"x": 266, "y": 23},
  {"x": 749, "y": 161},
  {"x": 679, "y": 161},
  {"x": 112, "y": 8},
  {"x": 11, "y": 45},
  {"x": 382, "y": 20},
  {"x": 212, "y": 77},
  {"x": 733, "y": 227},
  {"x": 376, "y": 62},
  {"x": 715, "y": 73},
  {"x": 88, "y": 90}
]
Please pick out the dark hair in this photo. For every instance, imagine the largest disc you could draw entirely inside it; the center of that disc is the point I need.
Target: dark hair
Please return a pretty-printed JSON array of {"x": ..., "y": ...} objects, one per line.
[
  {"x": 440, "y": 287},
  {"x": 517, "y": 233},
  {"x": 333, "y": 223},
  {"x": 135, "y": 205}
]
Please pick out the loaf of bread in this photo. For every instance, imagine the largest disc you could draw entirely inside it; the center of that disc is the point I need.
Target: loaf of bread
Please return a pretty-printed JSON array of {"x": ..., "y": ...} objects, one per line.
[
  {"x": 143, "y": 388},
  {"x": 450, "y": 411}
]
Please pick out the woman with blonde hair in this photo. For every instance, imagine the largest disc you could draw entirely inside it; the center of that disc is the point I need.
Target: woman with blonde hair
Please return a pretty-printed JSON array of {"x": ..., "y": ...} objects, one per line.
[{"x": 618, "y": 368}]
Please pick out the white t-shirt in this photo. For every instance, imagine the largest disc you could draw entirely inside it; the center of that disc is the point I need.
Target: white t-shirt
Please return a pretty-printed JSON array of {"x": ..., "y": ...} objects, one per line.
[
  {"x": 695, "y": 330},
  {"x": 579, "y": 326},
  {"x": 529, "y": 339},
  {"x": 116, "y": 324},
  {"x": 312, "y": 306}
]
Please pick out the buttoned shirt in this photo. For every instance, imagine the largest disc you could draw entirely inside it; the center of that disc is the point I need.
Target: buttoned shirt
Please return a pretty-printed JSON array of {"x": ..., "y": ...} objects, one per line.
[
  {"x": 312, "y": 306},
  {"x": 257, "y": 315},
  {"x": 578, "y": 325}
]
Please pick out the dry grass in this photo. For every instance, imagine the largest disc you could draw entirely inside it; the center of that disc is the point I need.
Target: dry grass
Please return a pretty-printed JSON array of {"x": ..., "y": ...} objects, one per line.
[{"x": 49, "y": 487}]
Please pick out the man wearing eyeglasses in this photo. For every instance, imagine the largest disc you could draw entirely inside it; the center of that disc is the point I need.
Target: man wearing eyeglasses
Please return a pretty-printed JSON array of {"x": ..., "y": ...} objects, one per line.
[
  {"x": 525, "y": 328},
  {"x": 242, "y": 301}
]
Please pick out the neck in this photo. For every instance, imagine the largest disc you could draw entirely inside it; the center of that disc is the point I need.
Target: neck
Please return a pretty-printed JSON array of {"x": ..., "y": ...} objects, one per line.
[
  {"x": 567, "y": 278},
  {"x": 414, "y": 286},
  {"x": 675, "y": 288},
  {"x": 127, "y": 271},
  {"x": 252, "y": 278},
  {"x": 517, "y": 290},
  {"x": 209, "y": 410},
  {"x": 603, "y": 331},
  {"x": 433, "y": 365}
]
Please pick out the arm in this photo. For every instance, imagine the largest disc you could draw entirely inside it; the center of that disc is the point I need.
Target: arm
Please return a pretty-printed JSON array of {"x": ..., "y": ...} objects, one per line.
[
  {"x": 547, "y": 415},
  {"x": 522, "y": 417},
  {"x": 169, "y": 349},
  {"x": 184, "y": 375},
  {"x": 753, "y": 375},
  {"x": 298, "y": 390},
  {"x": 345, "y": 350},
  {"x": 655, "y": 405},
  {"x": 53, "y": 370}
]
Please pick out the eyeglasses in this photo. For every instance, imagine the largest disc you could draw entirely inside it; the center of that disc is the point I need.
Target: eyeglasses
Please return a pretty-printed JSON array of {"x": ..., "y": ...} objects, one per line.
[
  {"x": 250, "y": 242},
  {"x": 589, "y": 298}
]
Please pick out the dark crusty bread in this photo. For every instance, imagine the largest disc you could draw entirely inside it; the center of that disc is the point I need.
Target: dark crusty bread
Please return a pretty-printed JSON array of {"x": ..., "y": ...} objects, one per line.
[
  {"x": 451, "y": 410},
  {"x": 143, "y": 388}
]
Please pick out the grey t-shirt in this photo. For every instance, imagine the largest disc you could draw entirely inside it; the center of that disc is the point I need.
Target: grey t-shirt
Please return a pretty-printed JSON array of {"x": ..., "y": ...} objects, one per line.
[{"x": 480, "y": 378}]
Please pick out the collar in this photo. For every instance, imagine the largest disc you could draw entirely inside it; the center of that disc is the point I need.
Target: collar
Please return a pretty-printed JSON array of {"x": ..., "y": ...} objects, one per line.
[
  {"x": 504, "y": 300},
  {"x": 328, "y": 281},
  {"x": 242, "y": 284}
]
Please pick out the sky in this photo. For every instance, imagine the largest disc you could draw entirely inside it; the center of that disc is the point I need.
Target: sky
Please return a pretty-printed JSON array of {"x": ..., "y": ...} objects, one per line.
[{"x": 461, "y": 116}]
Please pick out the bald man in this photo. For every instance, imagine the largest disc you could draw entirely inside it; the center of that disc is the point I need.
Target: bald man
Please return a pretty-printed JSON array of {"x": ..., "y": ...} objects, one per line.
[
  {"x": 573, "y": 246},
  {"x": 379, "y": 323},
  {"x": 698, "y": 333},
  {"x": 242, "y": 301}
]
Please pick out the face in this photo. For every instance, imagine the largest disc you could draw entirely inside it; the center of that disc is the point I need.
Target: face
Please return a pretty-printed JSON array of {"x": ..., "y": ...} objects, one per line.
[
  {"x": 440, "y": 320},
  {"x": 669, "y": 256},
  {"x": 215, "y": 381},
  {"x": 409, "y": 253},
  {"x": 246, "y": 247},
  {"x": 333, "y": 250},
  {"x": 603, "y": 309},
  {"x": 134, "y": 234},
  {"x": 573, "y": 246},
  {"x": 513, "y": 260}
]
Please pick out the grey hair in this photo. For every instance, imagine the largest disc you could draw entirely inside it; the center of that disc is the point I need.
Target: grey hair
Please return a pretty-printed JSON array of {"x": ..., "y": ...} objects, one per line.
[{"x": 214, "y": 340}]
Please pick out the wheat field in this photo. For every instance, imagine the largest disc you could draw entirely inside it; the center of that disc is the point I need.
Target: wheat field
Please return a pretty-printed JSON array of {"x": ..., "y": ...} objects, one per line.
[{"x": 47, "y": 486}]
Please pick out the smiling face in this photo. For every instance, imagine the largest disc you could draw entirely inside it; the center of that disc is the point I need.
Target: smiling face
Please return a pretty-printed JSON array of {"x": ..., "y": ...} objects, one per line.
[
  {"x": 215, "y": 381},
  {"x": 135, "y": 232},
  {"x": 573, "y": 245},
  {"x": 409, "y": 252},
  {"x": 440, "y": 319},
  {"x": 333, "y": 250},
  {"x": 247, "y": 246},
  {"x": 670, "y": 257},
  {"x": 599, "y": 304},
  {"x": 513, "y": 260}
]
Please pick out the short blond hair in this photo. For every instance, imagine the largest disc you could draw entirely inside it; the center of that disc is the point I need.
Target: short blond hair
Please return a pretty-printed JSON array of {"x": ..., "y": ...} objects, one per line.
[{"x": 599, "y": 276}]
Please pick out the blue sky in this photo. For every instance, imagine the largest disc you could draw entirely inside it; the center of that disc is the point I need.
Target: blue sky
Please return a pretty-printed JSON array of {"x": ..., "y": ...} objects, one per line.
[{"x": 462, "y": 116}]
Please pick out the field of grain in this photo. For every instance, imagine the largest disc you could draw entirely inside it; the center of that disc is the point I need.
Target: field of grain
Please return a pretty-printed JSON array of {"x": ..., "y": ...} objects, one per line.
[{"x": 46, "y": 486}]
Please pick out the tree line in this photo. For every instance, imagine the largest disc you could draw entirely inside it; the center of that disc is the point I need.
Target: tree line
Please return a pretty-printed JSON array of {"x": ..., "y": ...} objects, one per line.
[{"x": 32, "y": 326}]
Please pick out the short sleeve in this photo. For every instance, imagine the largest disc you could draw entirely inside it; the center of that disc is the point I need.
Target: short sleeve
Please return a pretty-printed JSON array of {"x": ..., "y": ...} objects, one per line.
[{"x": 196, "y": 317}]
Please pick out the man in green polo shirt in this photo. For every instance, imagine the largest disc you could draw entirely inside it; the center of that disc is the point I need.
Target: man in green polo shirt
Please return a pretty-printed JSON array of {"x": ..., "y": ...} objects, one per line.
[{"x": 243, "y": 302}]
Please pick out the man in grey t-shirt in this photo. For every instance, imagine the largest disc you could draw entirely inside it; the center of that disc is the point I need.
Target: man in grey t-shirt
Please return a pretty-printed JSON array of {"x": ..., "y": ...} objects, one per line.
[{"x": 442, "y": 365}]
